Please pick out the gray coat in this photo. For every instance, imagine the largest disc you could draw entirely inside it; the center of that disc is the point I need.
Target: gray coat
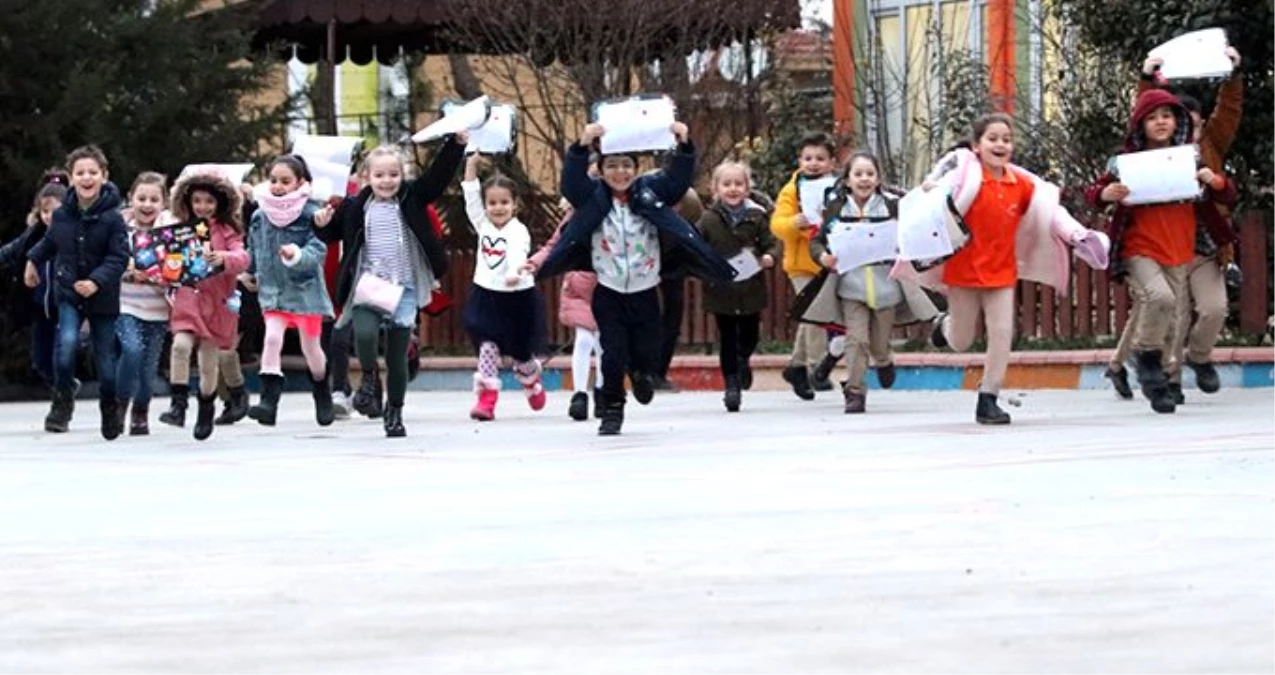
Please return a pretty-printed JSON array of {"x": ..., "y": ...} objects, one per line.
[{"x": 299, "y": 289}]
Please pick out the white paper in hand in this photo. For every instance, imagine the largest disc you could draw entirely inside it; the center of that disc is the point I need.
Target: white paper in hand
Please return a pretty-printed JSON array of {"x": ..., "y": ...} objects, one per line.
[
  {"x": 811, "y": 192},
  {"x": 637, "y": 124},
  {"x": 467, "y": 117},
  {"x": 1158, "y": 176},
  {"x": 1197, "y": 55},
  {"x": 330, "y": 159},
  {"x": 496, "y": 135},
  {"x": 746, "y": 264},
  {"x": 859, "y": 244},
  {"x": 923, "y": 225}
]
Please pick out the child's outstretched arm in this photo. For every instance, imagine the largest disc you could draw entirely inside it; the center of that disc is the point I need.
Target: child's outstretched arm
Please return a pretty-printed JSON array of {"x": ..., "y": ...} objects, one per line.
[
  {"x": 329, "y": 223},
  {"x": 671, "y": 184},
  {"x": 430, "y": 186},
  {"x": 473, "y": 191},
  {"x": 1225, "y": 120},
  {"x": 576, "y": 184}
]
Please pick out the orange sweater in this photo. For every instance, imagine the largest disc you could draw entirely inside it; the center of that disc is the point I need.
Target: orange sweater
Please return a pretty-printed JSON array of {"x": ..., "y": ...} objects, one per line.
[{"x": 989, "y": 259}]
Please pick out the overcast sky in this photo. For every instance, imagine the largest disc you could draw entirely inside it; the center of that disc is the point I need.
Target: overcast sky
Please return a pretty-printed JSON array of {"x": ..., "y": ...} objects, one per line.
[{"x": 817, "y": 9}]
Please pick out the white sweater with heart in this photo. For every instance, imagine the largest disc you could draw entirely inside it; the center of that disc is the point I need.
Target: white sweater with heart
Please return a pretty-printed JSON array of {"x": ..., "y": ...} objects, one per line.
[{"x": 502, "y": 251}]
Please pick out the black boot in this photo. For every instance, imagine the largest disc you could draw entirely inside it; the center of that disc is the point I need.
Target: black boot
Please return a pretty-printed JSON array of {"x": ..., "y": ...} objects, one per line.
[
  {"x": 599, "y": 403},
  {"x": 236, "y": 408},
  {"x": 799, "y": 378},
  {"x": 112, "y": 423},
  {"x": 324, "y": 414},
  {"x": 176, "y": 413},
  {"x": 394, "y": 421},
  {"x": 612, "y": 418},
  {"x": 267, "y": 408},
  {"x": 1155, "y": 386},
  {"x": 937, "y": 338},
  {"x": 579, "y": 408},
  {"x": 1120, "y": 382},
  {"x": 856, "y": 401},
  {"x": 367, "y": 400},
  {"x": 733, "y": 396},
  {"x": 824, "y": 370},
  {"x": 1175, "y": 393},
  {"x": 58, "y": 421},
  {"x": 139, "y": 422},
  {"x": 204, "y": 418},
  {"x": 1206, "y": 377},
  {"x": 643, "y": 387},
  {"x": 745, "y": 373},
  {"x": 820, "y": 384},
  {"x": 886, "y": 375},
  {"x": 988, "y": 412}
]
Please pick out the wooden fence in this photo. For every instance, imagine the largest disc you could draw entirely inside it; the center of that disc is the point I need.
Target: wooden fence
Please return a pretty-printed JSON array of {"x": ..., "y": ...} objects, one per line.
[{"x": 1093, "y": 306}]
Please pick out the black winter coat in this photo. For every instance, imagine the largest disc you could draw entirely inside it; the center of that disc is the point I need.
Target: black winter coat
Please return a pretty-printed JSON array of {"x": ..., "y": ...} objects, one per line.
[
  {"x": 87, "y": 245},
  {"x": 349, "y": 221}
]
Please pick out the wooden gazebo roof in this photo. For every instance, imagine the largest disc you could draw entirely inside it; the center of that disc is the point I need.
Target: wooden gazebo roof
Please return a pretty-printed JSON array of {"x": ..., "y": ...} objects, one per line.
[{"x": 365, "y": 30}]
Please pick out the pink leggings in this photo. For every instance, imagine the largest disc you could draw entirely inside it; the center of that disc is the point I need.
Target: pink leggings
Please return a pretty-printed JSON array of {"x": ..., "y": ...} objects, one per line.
[{"x": 272, "y": 350}]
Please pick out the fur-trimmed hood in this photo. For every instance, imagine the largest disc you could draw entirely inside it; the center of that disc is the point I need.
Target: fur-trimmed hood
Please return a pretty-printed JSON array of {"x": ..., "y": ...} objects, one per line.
[{"x": 219, "y": 185}]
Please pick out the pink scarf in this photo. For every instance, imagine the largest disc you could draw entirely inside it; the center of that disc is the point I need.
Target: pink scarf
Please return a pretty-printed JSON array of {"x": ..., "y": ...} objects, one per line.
[{"x": 283, "y": 211}]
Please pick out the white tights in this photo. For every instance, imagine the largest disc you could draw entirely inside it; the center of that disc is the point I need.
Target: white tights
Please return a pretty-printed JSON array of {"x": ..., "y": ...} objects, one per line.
[{"x": 587, "y": 344}]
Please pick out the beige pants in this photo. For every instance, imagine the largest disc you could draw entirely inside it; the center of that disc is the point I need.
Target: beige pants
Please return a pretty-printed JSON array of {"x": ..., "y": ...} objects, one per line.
[
  {"x": 1156, "y": 291},
  {"x": 810, "y": 344},
  {"x": 996, "y": 307},
  {"x": 867, "y": 335},
  {"x": 184, "y": 344},
  {"x": 1205, "y": 297}
]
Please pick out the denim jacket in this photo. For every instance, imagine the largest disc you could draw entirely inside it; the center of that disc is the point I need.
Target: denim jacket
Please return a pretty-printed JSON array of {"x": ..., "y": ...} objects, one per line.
[{"x": 298, "y": 288}]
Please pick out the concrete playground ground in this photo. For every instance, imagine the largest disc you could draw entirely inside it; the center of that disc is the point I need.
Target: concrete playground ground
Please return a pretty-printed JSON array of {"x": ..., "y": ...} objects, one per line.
[{"x": 1090, "y": 536}]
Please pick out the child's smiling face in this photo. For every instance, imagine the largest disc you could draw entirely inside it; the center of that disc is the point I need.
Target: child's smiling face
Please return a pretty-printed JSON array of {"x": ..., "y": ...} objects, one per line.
[
  {"x": 499, "y": 203},
  {"x": 147, "y": 202},
  {"x": 863, "y": 178},
  {"x": 283, "y": 180},
  {"x": 618, "y": 172},
  {"x": 731, "y": 186},
  {"x": 815, "y": 161},
  {"x": 87, "y": 176},
  {"x": 995, "y": 146},
  {"x": 385, "y": 175},
  {"x": 203, "y": 204}
]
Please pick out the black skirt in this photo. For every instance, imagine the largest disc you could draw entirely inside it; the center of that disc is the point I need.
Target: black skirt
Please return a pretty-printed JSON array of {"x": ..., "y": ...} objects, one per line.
[{"x": 515, "y": 321}]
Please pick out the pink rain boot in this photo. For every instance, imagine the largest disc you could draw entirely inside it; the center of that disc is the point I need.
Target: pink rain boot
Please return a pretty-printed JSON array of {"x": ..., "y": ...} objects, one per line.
[
  {"x": 532, "y": 387},
  {"x": 488, "y": 393}
]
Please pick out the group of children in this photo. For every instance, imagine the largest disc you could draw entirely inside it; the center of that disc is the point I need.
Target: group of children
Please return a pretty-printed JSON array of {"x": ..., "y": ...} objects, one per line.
[{"x": 620, "y": 232}]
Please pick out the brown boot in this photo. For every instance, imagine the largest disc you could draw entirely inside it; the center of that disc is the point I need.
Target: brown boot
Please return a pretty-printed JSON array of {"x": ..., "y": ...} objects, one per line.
[
  {"x": 139, "y": 424},
  {"x": 856, "y": 401}
]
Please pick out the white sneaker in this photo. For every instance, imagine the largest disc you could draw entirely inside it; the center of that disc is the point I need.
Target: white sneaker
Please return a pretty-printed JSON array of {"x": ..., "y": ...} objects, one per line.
[{"x": 341, "y": 405}]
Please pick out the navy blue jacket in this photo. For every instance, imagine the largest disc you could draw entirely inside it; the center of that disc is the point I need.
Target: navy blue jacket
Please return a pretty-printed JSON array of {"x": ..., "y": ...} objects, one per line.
[
  {"x": 90, "y": 245},
  {"x": 651, "y": 197},
  {"x": 13, "y": 257}
]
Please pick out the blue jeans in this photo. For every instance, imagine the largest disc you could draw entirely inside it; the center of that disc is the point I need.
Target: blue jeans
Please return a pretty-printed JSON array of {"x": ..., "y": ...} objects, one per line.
[
  {"x": 141, "y": 343},
  {"x": 44, "y": 339},
  {"x": 102, "y": 335}
]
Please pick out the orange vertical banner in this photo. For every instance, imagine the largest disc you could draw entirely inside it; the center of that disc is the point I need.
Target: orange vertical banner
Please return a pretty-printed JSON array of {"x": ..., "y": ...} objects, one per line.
[
  {"x": 843, "y": 67},
  {"x": 1000, "y": 53}
]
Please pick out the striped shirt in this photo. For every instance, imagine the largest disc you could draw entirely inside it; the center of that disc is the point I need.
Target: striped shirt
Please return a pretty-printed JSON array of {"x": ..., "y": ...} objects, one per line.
[
  {"x": 385, "y": 251},
  {"x": 147, "y": 302}
]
